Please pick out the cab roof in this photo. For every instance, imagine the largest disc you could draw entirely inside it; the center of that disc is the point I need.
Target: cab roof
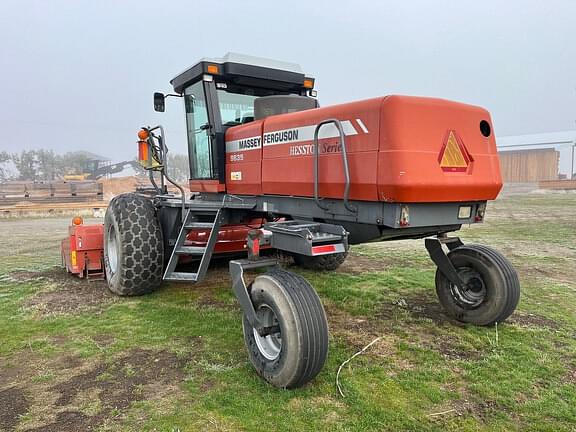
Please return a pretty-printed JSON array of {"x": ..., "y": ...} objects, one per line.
[{"x": 245, "y": 70}]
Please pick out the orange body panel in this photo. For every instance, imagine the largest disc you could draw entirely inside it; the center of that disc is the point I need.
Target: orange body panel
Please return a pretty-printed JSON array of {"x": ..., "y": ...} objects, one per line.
[
  {"x": 287, "y": 167},
  {"x": 244, "y": 156},
  {"x": 206, "y": 186},
  {"x": 413, "y": 134},
  {"x": 400, "y": 149}
]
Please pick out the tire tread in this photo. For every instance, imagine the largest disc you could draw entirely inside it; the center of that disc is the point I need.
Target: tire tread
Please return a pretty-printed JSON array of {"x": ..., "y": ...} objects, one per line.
[
  {"x": 312, "y": 315},
  {"x": 140, "y": 269},
  {"x": 508, "y": 274}
]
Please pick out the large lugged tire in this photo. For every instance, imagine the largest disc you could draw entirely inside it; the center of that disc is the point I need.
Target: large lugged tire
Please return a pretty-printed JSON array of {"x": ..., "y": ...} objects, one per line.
[
  {"x": 322, "y": 262},
  {"x": 295, "y": 355},
  {"x": 133, "y": 247},
  {"x": 494, "y": 288}
]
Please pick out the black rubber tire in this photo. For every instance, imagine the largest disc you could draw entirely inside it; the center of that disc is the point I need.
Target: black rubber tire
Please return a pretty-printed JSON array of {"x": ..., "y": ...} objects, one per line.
[
  {"x": 322, "y": 262},
  {"x": 500, "y": 281},
  {"x": 131, "y": 221},
  {"x": 303, "y": 329}
]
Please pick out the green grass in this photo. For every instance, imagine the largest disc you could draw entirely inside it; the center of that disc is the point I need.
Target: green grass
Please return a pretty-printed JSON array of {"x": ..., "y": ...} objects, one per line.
[{"x": 425, "y": 373}]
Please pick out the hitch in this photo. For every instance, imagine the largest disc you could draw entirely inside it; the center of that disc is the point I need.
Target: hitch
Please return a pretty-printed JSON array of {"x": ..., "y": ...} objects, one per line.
[{"x": 439, "y": 257}]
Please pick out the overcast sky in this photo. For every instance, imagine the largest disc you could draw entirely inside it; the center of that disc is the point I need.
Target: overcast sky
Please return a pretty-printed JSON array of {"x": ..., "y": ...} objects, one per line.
[{"x": 79, "y": 74}]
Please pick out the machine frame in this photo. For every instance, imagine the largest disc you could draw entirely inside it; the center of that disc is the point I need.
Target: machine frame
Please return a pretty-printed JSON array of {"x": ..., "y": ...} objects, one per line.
[{"x": 285, "y": 326}]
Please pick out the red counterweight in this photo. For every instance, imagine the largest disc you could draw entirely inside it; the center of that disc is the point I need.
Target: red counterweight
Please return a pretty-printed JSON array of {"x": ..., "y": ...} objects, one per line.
[{"x": 83, "y": 249}]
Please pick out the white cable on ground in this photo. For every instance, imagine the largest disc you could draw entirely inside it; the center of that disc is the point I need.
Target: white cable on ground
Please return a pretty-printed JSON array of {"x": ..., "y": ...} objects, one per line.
[{"x": 347, "y": 361}]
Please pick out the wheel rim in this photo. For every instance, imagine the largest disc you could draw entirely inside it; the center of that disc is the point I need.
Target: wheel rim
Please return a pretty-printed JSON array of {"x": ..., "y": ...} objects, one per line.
[
  {"x": 269, "y": 345},
  {"x": 473, "y": 293},
  {"x": 112, "y": 249}
]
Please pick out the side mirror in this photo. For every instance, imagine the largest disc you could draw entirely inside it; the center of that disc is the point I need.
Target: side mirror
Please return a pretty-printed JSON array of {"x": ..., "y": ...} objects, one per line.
[{"x": 159, "y": 102}]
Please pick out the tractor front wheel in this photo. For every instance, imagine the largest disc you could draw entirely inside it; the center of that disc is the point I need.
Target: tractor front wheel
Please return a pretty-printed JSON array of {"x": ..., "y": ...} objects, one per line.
[
  {"x": 133, "y": 247},
  {"x": 492, "y": 288},
  {"x": 295, "y": 348}
]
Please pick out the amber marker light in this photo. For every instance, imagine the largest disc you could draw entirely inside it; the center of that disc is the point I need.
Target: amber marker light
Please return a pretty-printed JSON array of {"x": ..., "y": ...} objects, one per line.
[
  {"x": 77, "y": 220},
  {"x": 142, "y": 151},
  {"x": 212, "y": 69},
  {"x": 143, "y": 134}
]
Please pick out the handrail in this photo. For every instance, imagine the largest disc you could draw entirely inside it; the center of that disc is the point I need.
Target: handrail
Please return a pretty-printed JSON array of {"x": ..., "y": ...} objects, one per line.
[
  {"x": 338, "y": 124},
  {"x": 164, "y": 169}
]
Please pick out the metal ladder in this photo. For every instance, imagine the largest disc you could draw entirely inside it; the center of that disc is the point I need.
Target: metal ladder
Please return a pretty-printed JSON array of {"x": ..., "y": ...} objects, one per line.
[{"x": 180, "y": 248}]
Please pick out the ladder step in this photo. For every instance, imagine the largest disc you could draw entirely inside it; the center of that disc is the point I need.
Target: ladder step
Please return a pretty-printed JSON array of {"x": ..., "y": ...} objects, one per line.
[
  {"x": 197, "y": 225},
  {"x": 181, "y": 276},
  {"x": 190, "y": 250}
]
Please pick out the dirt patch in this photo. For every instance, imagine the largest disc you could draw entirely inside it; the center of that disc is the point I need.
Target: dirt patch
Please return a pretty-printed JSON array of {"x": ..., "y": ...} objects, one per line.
[
  {"x": 532, "y": 320},
  {"x": 118, "y": 185},
  {"x": 70, "y": 421},
  {"x": 67, "y": 294},
  {"x": 479, "y": 410},
  {"x": 12, "y": 373},
  {"x": 571, "y": 377},
  {"x": 452, "y": 351},
  {"x": 13, "y": 404},
  {"x": 359, "y": 331},
  {"x": 102, "y": 340},
  {"x": 104, "y": 391},
  {"x": 119, "y": 380},
  {"x": 358, "y": 264},
  {"x": 419, "y": 307},
  {"x": 340, "y": 321}
]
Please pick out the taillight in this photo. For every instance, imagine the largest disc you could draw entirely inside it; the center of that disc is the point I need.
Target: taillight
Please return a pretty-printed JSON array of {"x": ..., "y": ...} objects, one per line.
[{"x": 404, "y": 216}]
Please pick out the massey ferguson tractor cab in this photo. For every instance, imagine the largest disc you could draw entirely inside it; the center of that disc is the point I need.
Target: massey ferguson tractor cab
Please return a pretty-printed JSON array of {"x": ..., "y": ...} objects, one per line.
[{"x": 270, "y": 169}]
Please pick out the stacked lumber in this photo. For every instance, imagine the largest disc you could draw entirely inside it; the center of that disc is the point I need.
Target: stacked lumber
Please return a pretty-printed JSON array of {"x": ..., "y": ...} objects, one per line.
[
  {"x": 558, "y": 184},
  {"x": 56, "y": 191}
]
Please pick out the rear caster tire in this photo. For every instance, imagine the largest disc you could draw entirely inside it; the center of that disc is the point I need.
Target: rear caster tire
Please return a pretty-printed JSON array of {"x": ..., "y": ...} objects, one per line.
[
  {"x": 322, "y": 262},
  {"x": 294, "y": 355},
  {"x": 133, "y": 247},
  {"x": 493, "y": 288}
]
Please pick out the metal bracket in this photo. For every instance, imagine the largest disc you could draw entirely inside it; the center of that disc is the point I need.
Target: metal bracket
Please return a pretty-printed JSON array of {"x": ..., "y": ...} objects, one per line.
[
  {"x": 439, "y": 257},
  {"x": 240, "y": 289},
  {"x": 302, "y": 236},
  {"x": 255, "y": 239}
]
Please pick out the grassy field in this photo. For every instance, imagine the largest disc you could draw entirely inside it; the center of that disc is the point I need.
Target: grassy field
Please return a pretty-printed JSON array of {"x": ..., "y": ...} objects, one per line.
[{"x": 75, "y": 358}]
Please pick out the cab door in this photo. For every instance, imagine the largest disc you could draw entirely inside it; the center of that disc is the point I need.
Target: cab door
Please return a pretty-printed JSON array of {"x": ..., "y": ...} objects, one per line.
[{"x": 203, "y": 139}]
